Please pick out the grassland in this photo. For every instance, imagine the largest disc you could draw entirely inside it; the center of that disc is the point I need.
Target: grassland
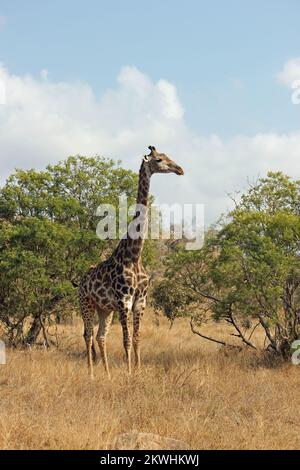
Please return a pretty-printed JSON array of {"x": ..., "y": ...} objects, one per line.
[{"x": 187, "y": 389}]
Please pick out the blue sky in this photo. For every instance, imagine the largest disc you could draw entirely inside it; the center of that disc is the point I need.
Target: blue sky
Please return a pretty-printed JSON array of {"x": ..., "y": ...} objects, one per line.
[{"x": 223, "y": 58}]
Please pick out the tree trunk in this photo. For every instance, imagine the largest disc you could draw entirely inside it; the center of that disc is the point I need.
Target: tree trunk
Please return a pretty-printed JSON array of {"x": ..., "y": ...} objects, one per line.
[
  {"x": 34, "y": 331},
  {"x": 18, "y": 334}
]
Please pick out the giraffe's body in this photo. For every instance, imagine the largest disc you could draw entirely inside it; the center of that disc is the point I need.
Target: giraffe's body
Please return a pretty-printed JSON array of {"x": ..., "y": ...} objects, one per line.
[{"x": 120, "y": 283}]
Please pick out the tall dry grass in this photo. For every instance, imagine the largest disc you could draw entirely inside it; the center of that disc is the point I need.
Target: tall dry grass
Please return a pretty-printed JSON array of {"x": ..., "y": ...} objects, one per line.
[{"x": 188, "y": 389}]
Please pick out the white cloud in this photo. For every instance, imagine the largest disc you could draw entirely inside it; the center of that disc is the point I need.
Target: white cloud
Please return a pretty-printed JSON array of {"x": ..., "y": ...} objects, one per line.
[
  {"x": 44, "y": 74},
  {"x": 44, "y": 121},
  {"x": 290, "y": 73}
]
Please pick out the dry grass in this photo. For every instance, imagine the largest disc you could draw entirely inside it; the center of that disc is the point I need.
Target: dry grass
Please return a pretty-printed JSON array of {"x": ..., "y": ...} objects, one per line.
[{"x": 188, "y": 389}]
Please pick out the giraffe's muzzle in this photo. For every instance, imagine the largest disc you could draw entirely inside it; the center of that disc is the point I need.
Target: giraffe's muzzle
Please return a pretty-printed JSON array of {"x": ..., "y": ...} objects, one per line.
[{"x": 179, "y": 170}]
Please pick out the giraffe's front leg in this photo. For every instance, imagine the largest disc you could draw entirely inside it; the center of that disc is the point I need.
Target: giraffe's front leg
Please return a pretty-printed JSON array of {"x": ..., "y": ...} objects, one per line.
[
  {"x": 138, "y": 310},
  {"x": 88, "y": 311}
]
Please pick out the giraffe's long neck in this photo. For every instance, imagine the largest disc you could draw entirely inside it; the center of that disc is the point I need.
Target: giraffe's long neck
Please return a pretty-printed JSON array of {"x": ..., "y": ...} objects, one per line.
[
  {"x": 144, "y": 185},
  {"x": 130, "y": 248}
]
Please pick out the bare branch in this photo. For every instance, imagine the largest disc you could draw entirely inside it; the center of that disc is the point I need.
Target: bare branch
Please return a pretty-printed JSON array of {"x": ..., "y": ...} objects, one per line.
[
  {"x": 267, "y": 331},
  {"x": 240, "y": 333},
  {"x": 257, "y": 324},
  {"x": 209, "y": 338},
  {"x": 201, "y": 294}
]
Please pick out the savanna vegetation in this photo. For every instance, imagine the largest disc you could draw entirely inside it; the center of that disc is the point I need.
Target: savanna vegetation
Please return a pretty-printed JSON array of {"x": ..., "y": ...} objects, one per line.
[
  {"x": 247, "y": 273},
  {"x": 48, "y": 239},
  {"x": 209, "y": 396},
  {"x": 234, "y": 308}
]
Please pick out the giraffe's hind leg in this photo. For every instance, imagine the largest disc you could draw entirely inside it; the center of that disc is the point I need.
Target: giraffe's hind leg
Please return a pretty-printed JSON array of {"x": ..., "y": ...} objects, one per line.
[
  {"x": 105, "y": 319},
  {"x": 124, "y": 319},
  {"x": 138, "y": 310}
]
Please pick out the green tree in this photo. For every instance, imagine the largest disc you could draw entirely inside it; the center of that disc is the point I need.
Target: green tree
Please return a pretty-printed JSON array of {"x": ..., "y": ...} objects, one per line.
[
  {"x": 48, "y": 237},
  {"x": 248, "y": 273},
  {"x": 174, "y": 300}
]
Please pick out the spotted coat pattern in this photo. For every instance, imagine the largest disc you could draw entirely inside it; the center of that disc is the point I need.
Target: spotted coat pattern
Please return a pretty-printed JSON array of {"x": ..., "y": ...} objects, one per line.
[{"x": 120, "y": 283}]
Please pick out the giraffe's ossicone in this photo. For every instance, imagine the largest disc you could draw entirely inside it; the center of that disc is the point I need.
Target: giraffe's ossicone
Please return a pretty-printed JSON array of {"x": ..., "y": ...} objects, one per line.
[{"x": 120, "y": 283}]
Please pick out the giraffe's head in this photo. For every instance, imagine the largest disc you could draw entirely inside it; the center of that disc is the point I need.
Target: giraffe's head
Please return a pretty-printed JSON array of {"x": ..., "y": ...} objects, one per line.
[{"x": 161, "y": 163}]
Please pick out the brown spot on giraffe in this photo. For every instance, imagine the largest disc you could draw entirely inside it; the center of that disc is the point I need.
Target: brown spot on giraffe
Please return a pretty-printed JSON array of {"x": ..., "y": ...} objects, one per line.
[{"x": 120, "y": 283}]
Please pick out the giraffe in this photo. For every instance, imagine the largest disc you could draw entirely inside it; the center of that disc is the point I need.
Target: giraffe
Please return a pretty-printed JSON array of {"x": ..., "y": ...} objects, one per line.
[{"x": 120, "y": 283}]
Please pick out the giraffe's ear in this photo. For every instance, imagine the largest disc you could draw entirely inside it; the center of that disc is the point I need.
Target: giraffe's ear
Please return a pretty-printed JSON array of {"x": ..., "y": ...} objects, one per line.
[
  {"x": 153, "y": 151},
  {"x": 146, "y": 158}
]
